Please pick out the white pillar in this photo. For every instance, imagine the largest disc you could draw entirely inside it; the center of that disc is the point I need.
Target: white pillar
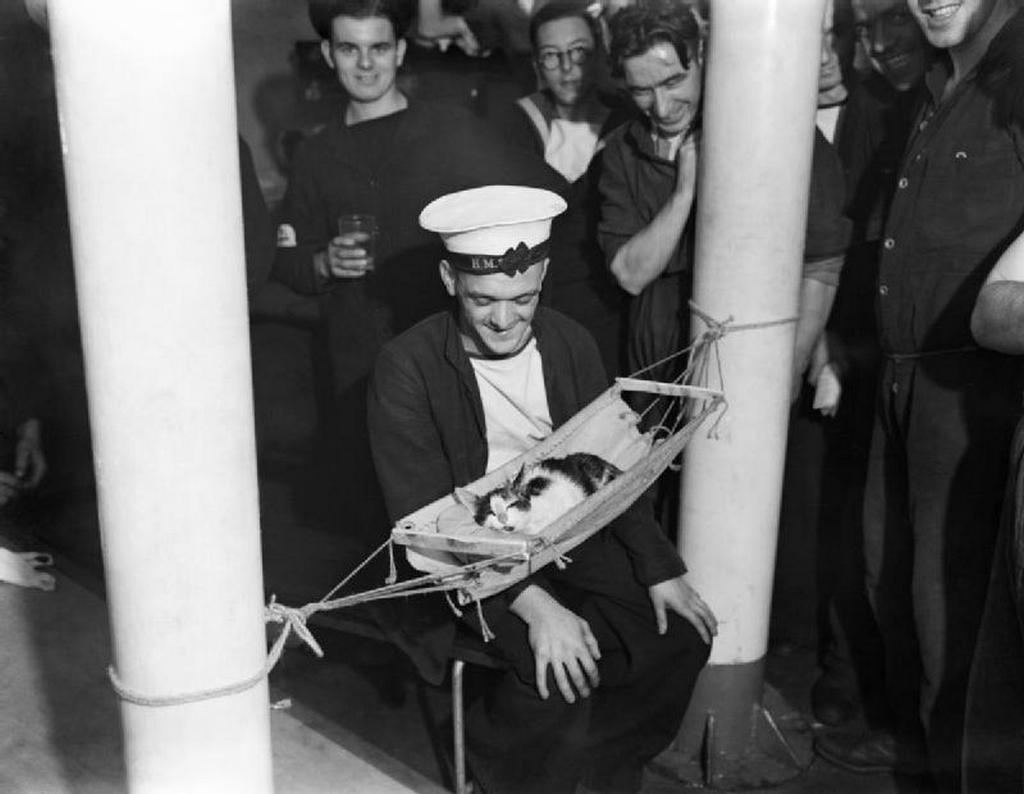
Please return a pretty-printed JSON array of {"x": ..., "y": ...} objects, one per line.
[
  {"x": 147, "y": 107},
  {"x": 755, "y": 159}
]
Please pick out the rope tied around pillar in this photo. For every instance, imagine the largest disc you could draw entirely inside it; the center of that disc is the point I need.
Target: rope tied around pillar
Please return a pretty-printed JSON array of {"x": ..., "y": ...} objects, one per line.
[
  {"x": 703, "y": 354},
  {"x": 708, "y": 339},
  {"x": 716, "y": 329},
  {"x": 293, "y": 618}
]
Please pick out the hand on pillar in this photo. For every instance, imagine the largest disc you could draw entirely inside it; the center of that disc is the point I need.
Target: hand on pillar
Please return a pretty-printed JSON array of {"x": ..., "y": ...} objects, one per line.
[
  {"x": 677, "y": 595},
  {"x": 562, "y": 640},
  {"x": 686, "y": 170}
]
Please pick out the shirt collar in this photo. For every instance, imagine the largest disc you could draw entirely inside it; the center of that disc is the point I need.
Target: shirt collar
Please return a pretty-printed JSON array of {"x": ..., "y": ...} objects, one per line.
[
  {"x": 937, "y": 76},
  {"x": 643, "y": 136}
]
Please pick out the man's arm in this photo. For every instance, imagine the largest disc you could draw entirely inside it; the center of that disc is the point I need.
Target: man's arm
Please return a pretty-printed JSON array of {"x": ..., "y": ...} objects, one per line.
[
  {"x": 561, "y": 639},
  {"x": 407, "y": 451},
  {"x": 301, "y": 232},
  {"x": 645, "y": 255},
  {"x": 998, "y": 318},
  {"x": 826, "y": 238},
  {"x": 816, "y": 298},
  {"x": 311, "y": 257}
]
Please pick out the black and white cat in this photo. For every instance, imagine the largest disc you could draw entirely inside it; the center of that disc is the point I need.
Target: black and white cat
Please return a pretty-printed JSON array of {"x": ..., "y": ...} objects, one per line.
[{"x": 539, "y": 493}]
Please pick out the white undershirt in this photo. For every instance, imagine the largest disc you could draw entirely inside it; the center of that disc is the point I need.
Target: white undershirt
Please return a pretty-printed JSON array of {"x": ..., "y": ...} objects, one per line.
[
  {"x": 827, "y": 119},
  {"x": 571, "y": 145},
  {"x": 515, "y": 403}
]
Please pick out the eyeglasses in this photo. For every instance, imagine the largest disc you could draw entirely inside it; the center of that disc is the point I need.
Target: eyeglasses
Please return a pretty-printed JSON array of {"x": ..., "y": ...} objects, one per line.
[{"x": 553, "y": 59}]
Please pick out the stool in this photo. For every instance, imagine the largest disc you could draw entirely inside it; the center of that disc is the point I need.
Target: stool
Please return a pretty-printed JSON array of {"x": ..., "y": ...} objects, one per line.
[{"x": 468, "y": 648}]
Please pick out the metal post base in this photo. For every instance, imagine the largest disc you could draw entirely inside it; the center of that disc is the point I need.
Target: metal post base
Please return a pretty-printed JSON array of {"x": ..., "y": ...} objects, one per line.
[{"x": 737, "y": 734}]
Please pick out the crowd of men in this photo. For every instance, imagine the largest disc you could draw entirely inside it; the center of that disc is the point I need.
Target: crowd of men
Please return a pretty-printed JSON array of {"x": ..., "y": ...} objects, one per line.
[
  {"x": 513, "y": 264},
  {"x": 917, "y": 193}
]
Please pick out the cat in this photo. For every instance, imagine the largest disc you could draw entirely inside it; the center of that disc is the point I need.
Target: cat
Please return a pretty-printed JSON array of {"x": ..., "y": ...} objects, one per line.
[{"x": 539, "y": 493}]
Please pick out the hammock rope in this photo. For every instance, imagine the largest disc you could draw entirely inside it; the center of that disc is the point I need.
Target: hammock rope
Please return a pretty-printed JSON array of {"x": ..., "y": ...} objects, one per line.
[{"x": 702, "y": 354}]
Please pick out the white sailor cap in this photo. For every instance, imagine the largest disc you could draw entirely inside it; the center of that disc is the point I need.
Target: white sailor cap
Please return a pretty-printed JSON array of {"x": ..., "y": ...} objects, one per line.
[{"x": 498, "y": 228}]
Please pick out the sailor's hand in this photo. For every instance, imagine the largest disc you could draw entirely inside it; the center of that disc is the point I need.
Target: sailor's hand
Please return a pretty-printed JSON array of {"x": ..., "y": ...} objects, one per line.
[
  {"x": 562, "y": 640},
  {"x": 677, "y": 595},
  {"x": 344, "y": 258}
]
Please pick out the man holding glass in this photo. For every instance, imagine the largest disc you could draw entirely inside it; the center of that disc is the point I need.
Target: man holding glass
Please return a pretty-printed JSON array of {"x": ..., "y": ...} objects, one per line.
[{"x": 383, "y": 157}]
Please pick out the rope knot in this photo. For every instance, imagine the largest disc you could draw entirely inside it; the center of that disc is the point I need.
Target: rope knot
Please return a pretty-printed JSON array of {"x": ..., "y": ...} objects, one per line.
[
  {"x": 716, "y": 329},
  {"x": 561, "y": 559},
  {"x": 294, "y": 619}
]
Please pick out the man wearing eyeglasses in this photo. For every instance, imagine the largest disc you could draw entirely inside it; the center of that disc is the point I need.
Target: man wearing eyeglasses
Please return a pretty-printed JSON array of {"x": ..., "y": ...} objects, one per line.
[{"x": 566, "y": 122}]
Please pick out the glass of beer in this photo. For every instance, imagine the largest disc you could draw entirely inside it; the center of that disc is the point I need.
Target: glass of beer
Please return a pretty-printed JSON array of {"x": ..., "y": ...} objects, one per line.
[{"x": 360, "y": 231}]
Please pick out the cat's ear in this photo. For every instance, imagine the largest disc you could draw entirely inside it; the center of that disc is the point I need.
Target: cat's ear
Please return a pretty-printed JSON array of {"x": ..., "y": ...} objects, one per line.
[
  {"x": 517, "y": 481},
  {"x": 466, "y": 498}
]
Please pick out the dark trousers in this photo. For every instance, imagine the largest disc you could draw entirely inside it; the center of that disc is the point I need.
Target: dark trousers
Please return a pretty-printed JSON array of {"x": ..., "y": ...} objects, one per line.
[
  {"x": 520, "y": 743},
  {"x": 934, "y": 488},
  {"x": 994, "y": 724}
]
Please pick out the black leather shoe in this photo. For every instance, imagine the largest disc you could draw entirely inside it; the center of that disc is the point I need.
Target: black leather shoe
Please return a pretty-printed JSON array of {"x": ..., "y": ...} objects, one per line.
[
  {"x": 833, "y": 702},
  {"x": 868, "y": 753},
  {"x": 873, "y": 752}
]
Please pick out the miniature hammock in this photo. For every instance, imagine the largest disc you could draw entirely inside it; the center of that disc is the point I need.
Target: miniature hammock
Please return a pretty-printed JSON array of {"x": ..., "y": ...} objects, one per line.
[
  {"x": 453, "y": 553},
  {"x": 442, "y": 537},
  {"x": 443, "y": 542}
]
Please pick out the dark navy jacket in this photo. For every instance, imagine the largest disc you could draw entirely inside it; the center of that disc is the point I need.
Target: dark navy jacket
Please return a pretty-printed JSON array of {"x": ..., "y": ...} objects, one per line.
[{"x": 428, "y": 435}]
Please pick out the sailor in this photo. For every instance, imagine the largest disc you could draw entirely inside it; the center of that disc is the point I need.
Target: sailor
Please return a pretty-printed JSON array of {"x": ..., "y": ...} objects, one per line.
[{"x": 603, "y": 654}]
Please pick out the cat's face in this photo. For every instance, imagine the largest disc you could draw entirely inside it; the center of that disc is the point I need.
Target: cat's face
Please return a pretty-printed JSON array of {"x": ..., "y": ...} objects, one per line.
[
  {"x": 512, "y": 507},
  {"x": 507, "y": 510}
]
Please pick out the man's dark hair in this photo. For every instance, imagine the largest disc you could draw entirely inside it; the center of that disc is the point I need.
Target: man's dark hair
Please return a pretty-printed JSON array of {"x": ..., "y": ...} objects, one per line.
[
  {"x": 323, "y": 12},
  {"x": 637, "y": 28},
  {"x": 564, "y": 9}
]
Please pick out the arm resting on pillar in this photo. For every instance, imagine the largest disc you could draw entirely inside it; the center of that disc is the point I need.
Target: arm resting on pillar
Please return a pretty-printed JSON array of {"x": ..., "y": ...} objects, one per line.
[{"x": 644, "y": 257}]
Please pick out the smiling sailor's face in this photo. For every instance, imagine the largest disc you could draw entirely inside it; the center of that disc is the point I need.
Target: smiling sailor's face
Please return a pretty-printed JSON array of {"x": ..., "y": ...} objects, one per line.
[
  {"x": 495, "y": 311},
  {"x": 950, "y": 24}
]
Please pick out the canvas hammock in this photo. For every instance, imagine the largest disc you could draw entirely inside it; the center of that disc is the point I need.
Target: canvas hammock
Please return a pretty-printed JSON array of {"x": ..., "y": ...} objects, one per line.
[
  {"x": 442, "y": 537},
  {"x": 443, "y": 542}
]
